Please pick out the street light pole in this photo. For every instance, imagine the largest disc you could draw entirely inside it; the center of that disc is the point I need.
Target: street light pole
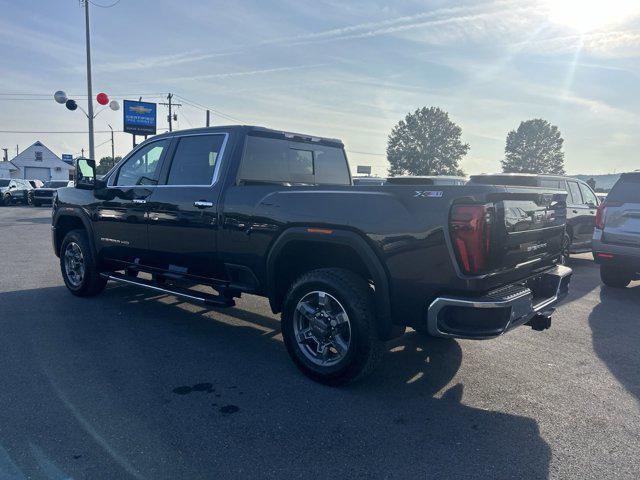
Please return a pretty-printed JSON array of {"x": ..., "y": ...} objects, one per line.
[
  {"x": 113, "y": 155},
  {"x": 89, "y": 88}
]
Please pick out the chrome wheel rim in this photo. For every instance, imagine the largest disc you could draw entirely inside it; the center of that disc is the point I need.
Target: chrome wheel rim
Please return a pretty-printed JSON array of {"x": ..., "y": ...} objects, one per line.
[
  {"x": 322, "y": 328},
  {"x": 74, "y": 264}
]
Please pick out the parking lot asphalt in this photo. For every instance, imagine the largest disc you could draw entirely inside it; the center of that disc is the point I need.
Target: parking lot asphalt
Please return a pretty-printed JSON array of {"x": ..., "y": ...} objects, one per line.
[{"x": 132, "y": 384}]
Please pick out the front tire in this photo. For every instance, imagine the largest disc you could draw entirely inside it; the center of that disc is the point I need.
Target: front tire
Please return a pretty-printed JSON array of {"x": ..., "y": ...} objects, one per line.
[
  {"x": 7, "y": 199},
  {"x": 615, "y": 277},
  {"x": 566, "y": 246},
  {"x": 329, "y": 326},
  {"x": 78, "y": 265}
]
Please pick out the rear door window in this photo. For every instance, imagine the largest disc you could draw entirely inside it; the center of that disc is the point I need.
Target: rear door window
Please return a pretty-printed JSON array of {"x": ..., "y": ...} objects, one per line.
[
  {"x": 574, "y": 192},
  {"x": 626, "y": 189},
  {"x": 195, "y": 160},
  {"x": 587, "y": 195}
]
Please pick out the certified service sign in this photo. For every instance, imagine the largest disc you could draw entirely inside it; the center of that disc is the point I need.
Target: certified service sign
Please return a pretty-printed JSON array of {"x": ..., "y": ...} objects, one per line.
[{"x": 139, "y": 117}]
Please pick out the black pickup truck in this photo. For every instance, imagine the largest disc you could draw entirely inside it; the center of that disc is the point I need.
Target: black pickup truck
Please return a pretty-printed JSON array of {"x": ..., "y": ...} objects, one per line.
[{"x": 246, "y": 209}]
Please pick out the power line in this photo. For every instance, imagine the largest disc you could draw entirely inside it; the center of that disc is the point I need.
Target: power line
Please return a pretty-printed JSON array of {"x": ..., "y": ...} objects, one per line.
[
  {"x": 367, "y": 153},
  {"x": 103, "y": 6},
  {"x": 67, "y": 131},
  {"x": 204, "y": 107}
]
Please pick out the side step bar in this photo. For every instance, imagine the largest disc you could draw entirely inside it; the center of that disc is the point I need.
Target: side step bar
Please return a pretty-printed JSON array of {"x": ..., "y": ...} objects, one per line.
[{"x": 211, "y": 300}]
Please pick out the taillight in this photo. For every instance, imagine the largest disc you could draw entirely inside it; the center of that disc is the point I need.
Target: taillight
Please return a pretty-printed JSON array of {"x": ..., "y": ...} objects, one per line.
[
  {"x": 600, "y": 212},
  {"x": 471, "y": 235}
]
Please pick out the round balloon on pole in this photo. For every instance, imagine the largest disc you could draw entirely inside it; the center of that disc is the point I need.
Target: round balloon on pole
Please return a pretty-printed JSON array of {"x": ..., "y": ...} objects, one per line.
[
  {"x": 114, "y": 105},
  {"x": 60, "y": 96},
  {"x": 71, "y": 104},
  {"x": 102, "y": 98}
]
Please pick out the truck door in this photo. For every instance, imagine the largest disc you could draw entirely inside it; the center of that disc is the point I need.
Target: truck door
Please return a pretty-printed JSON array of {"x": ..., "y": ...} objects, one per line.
[
  {"x": 121, "y": 210},
  {"x": 183, "y": 210},
  {"x": 578, "y": 216}
]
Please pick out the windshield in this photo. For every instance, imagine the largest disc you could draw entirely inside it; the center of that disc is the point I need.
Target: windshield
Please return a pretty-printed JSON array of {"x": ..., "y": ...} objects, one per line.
[
  {"x": 4, "y": 183},
  {"x": 55, "y": 184}
]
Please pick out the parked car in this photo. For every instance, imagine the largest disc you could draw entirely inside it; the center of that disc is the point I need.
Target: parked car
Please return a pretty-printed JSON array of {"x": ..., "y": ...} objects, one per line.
[
  {"x": 46, "y": 193},
  {"x": 616, "y": 238},
  {"x": 582, "y": 203},
  {"x": 14, "y": 191},
  {"x": 251, "y": 210}
]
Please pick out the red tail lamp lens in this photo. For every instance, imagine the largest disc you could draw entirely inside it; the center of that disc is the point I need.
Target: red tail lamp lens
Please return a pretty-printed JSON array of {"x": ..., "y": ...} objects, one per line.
[{"x": 471, "y": 233}]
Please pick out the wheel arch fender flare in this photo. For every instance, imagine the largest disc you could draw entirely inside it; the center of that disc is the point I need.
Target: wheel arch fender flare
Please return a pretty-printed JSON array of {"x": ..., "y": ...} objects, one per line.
[
  {"x": 343, "y": 238},
  {"x": 70, "y": 212}
]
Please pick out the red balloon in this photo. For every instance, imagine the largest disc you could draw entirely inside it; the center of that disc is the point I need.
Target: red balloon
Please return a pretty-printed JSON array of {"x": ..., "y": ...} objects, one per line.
[{"x": 102, "y": 98}]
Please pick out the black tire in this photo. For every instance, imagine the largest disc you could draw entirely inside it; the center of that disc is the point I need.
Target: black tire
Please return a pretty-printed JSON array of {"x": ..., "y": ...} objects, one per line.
[
  {"x": 7, "y": 199},
  {"x": 615, "y": 277},
  {"x": 365, "y": 350},
  {"x": 91, "y": 282},
  {"x": 30, "y": 200}
]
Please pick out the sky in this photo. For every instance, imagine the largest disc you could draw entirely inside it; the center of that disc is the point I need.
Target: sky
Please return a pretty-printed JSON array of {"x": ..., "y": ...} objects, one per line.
[{"x": 342, "y": 69}]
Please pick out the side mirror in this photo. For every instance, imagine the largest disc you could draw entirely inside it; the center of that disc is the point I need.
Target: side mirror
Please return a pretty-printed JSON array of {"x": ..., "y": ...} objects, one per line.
[
  {"x": 85, "y": 174},
  {"x": 592, "y": 205}
]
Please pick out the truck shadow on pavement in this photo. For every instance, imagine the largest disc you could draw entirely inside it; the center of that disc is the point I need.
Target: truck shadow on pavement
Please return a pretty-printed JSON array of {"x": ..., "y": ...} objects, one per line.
[
  {"x": 105, "y": 379},
  {"x": 615, "y": 326}
]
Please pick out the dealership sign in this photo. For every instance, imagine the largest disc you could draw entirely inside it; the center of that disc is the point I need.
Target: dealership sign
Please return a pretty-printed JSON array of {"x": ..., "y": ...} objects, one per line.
[{"x": 139, "y": 117}]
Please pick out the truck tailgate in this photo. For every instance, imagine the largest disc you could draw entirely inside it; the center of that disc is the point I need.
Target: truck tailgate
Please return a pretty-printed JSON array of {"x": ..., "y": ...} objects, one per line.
[{"x": 529, "y": 227}]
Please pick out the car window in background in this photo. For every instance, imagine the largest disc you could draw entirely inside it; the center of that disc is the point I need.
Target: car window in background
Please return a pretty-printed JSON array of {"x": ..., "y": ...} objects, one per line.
[
  {"x": 142, "y": 167},
  {"x": 515, "y": 180},
  {"x": 626, "y": 189},
  {"x": 4, "y": 183},
  {"x": 55, "y": 184},
  {"x": 551, "y": 184},
  {"x": 195, "y": 160},
  {"x": 574, "y": 191},
  {"x": 588, "y": 196}
]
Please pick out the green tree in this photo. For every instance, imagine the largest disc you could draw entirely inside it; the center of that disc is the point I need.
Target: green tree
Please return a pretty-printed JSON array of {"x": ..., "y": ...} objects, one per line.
[
  {"x": 105, "y": 164},
  {"x": 535, "y": 147},
  {"x": 426, "y": 142}
]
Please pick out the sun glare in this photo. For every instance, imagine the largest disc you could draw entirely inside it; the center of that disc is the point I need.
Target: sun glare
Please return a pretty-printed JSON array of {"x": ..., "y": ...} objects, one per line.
[{"x": 588, "y": 15}]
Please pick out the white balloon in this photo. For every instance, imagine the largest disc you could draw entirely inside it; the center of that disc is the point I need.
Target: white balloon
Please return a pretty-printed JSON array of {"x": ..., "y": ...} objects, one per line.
[
  {"x": 114, "y": 105},
  {"x": 60, "y": 96}
]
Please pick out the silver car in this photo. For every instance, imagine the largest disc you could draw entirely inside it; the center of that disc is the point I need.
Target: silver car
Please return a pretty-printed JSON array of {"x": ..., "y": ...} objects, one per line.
[{"x": 616, "y": 238}]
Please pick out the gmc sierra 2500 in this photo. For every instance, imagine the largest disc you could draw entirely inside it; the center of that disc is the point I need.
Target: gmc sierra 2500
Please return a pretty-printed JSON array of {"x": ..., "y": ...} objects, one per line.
[{"x": 251, "y": 210}]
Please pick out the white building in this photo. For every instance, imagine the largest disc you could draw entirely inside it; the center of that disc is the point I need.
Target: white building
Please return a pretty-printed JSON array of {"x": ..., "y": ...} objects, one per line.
[
  {"x": 8, "y": 170},
  {"x": 38, "y": 162}
]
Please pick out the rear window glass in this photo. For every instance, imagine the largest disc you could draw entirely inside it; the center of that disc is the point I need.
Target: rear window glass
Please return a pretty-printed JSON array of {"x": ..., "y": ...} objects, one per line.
[
  {"x": 279, "y": 161},
  {"x": 552, "y": 184},
  {"x": 626, "y": 189}
]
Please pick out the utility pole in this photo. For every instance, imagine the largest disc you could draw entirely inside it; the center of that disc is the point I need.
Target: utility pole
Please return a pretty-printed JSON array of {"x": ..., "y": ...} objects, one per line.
[
  {"x": 208, "y": 117},
  {"x": 82, "y": 155},
  {"x": 6, "y": 154},
  {"x": 170, "y": 104},
  {"x": 89, "y": 87},
  {"x": 113, "y": 155},
  {"x": 17, "y": 152}
]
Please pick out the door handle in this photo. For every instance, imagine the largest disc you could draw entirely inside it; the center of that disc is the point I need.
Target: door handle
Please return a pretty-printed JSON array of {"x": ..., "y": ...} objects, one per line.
[
  {"x": 139, "y": 200},
  {"x": 202, "y": 204},
  {"x": 575, "y": 211}
]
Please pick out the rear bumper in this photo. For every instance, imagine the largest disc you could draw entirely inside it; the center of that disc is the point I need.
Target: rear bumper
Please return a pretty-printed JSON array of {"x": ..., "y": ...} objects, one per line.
[
  {"x": 500, "y": 310},
  {"x": 624, "y": 256}
]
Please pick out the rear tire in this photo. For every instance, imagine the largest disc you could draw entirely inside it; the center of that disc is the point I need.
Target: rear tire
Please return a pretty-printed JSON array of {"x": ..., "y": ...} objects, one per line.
[
  {"x": 329, "y": 326},
  {"x": 7, "y": 200},
  {"x": 78, "y": 265},
  {"x": 615, "y": 277}
]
